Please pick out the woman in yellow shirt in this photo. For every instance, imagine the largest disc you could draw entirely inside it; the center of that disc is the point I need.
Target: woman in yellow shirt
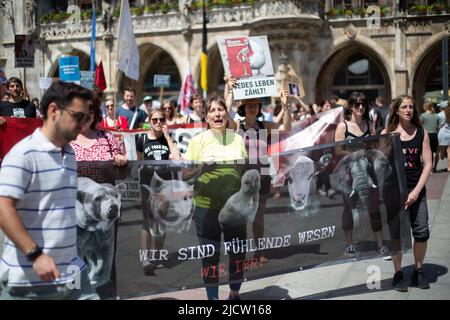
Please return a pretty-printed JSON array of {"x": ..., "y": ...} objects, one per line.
[{"x": 212, "y": 189}]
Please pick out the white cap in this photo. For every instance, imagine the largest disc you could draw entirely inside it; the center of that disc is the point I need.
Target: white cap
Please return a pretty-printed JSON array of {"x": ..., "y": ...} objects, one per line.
[{"x": 443, "y": 104}]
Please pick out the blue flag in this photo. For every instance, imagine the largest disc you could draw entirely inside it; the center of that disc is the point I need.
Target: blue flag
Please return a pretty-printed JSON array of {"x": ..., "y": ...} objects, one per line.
[{"x": 92, "y": 68}]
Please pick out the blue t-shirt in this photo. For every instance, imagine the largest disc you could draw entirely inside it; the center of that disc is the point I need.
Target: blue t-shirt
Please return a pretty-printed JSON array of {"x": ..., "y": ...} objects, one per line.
[{"x": 140, "y": 117}]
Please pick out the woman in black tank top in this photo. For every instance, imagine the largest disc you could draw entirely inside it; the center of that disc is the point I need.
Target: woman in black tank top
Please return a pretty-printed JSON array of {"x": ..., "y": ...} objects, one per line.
[
  {"x": 355, "y": 126},
  {"x": 404, "y": 119},
  {"x": 256, "y": 137}
]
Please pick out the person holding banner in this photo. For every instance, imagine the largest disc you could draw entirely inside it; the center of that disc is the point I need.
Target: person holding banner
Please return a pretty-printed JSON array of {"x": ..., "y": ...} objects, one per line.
[
  {"x": 404, "y": 119},
  {"x": 111, "y": 121},
  {"x": 197, "y": 106},
  {"x": 215, "y": 184},
  {"x": 169, "y": 108},
  {"x": 135, "y": 117},
  {"x": 98, "y": 145},
  {"x": 357, "y": 125},
  {"x": 16, "y": 106},
  {"x": 156, "y": 144},
  {"x": 256, "y": 136}
]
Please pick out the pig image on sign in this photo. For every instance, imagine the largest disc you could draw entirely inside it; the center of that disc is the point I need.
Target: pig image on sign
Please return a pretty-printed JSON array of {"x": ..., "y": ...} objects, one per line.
[
  {"x": 171, "y": 204},
  {"x": 241, "y": 207}
]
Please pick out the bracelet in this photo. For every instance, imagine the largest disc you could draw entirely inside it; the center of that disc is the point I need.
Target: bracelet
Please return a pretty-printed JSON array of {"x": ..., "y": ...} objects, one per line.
[{"x": 33, "y": 253}]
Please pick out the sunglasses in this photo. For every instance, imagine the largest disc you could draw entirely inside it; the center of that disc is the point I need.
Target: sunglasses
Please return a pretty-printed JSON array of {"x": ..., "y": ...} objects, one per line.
[
  {"x": 79, "y": 117},
  {"x": 156, "y": 120},
  {"x": 109, "y": 106},
  {"x": 358, "y": 105}
]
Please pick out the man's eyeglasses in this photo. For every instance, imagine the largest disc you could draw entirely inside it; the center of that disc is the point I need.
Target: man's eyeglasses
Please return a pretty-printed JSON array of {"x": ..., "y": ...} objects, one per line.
[
  {"x": 79, "y": 117},
  {"x": 156, "y": 120}
]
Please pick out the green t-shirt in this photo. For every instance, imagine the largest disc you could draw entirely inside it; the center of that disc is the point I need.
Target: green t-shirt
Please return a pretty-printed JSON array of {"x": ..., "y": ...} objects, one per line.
[
  {"x": 430, "y": 121},
  {"x": 213, "y": 188}
]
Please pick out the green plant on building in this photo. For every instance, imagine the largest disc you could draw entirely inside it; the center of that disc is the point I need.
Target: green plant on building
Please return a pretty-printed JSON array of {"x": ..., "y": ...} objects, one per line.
[
  {"x": 419, "y": 9},
  {"x": 436, "y": 8}
]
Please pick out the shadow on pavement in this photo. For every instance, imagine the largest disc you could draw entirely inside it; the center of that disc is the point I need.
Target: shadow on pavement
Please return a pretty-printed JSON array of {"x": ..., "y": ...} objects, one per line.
[{"x": 432, "y": 272}]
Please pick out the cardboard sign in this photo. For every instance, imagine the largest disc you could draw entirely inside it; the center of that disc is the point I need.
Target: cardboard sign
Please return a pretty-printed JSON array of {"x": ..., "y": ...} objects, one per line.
[
  {"x": 255, "y": 88},
  {"x": 45, "y": 83},
  {"x": 69, "y": 69},
  {"x": 24, "y": 51},
  {"x": 87, "y": 79},
  {"x": 248, "y": 59},
  {"x": 161, "y": 80}
]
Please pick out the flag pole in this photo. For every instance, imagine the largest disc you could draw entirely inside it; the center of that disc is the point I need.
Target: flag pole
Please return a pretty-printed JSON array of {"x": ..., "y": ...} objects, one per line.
[{"x": 204, "y": 57}]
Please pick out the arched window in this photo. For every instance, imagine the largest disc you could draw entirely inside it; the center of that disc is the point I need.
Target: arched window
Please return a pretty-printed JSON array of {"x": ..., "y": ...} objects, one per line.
[
  {"x": 162, "y": 64},
  {"x": 358, "y": 73}
]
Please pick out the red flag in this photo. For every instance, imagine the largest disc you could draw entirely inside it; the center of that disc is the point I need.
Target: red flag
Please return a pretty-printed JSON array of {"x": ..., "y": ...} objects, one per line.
[
  {"x": 100, "y": 80},
  {"x": 187, "y": 91}
]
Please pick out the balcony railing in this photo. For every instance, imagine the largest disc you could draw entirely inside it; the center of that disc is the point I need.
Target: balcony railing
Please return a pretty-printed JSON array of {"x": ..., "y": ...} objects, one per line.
[
  {"x": 338, "y": 13},
  {"x": 221, "y": 14}
]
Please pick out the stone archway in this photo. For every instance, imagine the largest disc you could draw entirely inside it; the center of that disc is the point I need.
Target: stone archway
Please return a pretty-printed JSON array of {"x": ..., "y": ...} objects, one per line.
[
  {"x": 153, "y": 60},
  {"x": 427, "y": 81},
  {"x": 354, "y": 67}
]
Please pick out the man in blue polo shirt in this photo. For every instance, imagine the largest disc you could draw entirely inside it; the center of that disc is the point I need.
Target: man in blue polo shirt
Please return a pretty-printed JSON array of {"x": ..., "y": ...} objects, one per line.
[
  {"x": 135, "y": 116},
  {"x": 38, "y": 185}
]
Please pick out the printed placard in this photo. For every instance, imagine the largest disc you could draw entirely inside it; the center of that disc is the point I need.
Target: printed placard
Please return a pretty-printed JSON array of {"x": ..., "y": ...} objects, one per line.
[
  {"x": 248, "y": 59},
  {"x": 161, "y": 80}
]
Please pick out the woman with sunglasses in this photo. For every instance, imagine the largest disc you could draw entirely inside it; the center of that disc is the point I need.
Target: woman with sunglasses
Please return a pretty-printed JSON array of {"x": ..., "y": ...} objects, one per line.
[
  {"x": 156, "y": 144},
  {"x": 169, "y": 109},
  {"x": 404, "y": 119},
  {"x": 111, "y": 121},
  {"x": 357, "y": 125}
]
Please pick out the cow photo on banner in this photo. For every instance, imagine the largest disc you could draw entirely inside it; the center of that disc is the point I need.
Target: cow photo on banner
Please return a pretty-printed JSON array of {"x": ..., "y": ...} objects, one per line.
[{"x": 302, "y": 228}]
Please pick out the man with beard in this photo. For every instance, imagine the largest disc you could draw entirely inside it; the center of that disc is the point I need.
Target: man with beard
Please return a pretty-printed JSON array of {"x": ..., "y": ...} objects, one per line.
[
  {"x": 16, "y": 106},
  {"x": 38, "y": 185},
  {"x": 135, "y": 116}
]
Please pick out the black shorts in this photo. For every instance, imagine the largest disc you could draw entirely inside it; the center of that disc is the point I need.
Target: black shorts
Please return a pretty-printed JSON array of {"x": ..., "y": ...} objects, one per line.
[{"x": 434, "y": 143}]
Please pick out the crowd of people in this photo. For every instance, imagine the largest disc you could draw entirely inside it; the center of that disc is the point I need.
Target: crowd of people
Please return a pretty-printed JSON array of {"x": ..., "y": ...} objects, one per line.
[{"x": 75, "y": 128}]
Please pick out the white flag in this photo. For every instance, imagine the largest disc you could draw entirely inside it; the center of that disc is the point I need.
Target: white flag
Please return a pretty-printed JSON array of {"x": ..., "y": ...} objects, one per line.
[{"x": 127, "y": 51}]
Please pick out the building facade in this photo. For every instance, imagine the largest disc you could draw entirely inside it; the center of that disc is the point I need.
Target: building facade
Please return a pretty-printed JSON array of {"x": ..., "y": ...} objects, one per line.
[{"x": 334, "y": 45}]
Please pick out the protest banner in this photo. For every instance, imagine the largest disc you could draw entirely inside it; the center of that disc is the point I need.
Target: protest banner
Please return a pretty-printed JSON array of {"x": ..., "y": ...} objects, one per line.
[
  {"x": 14, "y": 130},
  {"x": 248, "y": 59},
  {"x": 302, "y": 229}
]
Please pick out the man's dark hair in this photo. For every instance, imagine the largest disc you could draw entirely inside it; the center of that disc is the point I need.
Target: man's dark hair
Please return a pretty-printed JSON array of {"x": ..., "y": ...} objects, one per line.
[
  {"x": 130, "y": 89},
  {"x": 14, "y": 80},
  {"x": 62, "y": 93}
]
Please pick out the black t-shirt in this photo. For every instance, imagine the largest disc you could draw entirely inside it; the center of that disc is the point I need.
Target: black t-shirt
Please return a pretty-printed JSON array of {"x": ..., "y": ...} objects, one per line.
[
  {"x": 412, "y": 151},
  {"x": 23, "y": 109},
  {"x": 153, "y": 149}
]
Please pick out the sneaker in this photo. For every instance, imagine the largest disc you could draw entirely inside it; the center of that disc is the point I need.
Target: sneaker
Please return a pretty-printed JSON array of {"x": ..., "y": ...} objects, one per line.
[
  {"x": 331, "y": 192},
  {"x": 322, "y": 192},
  {"x": 419, "y": 280},
  {"x": 350, "y": 251},
  {"x": 383, "y": 252},
  {"x": 387, "y": 258},
  {"x": 398, "y": 283},
  {"x": 148, "y": 268}
]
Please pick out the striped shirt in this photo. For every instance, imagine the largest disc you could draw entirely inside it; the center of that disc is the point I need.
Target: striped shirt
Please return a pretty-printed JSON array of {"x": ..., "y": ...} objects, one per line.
[{"x": 43, "y": 178}]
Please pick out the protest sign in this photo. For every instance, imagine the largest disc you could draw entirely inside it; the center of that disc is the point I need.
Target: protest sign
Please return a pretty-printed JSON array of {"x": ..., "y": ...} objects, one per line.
[
  {"x": 69, "y": 69},
  {"x": 24, "y": 51},
  {"x": 248, "y": 59}
]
